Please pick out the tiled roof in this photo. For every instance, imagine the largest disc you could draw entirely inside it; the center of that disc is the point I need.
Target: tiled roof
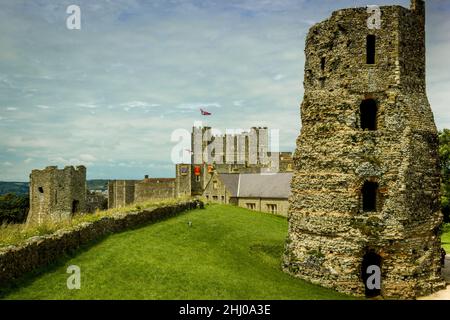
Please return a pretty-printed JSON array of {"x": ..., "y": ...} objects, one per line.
[{"x": 256, "y": 185}]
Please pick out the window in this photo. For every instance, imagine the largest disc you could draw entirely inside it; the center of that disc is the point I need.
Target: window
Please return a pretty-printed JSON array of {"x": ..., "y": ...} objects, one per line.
[
  {"x": 322, "y": 64},
  {"x": 371, "y": 44},
  {"x": 41, "y": 190},
  {"x": 251, "y": 206},
  {"x": 215, "y": 185},
  {"x": 197, "y": 178},
  {"x": 207, "y": 197},
  {"x": 369, "y": 196},
  {"x": 215, "y": 198},
  {"x": 75, "y": 206},
  {"x": 368, "y": 113},
  {"x": 272, "y": 208},
  {"x": 370, "y": 259},
  {"x": 223, "y": 198}
]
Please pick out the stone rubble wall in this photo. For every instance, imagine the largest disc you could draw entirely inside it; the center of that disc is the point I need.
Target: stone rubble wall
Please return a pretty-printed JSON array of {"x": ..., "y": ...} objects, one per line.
[
  {"x": 40, "y": 251},
  {"x": 330, "y": 233},
  {"x": 56, "y": 194}
]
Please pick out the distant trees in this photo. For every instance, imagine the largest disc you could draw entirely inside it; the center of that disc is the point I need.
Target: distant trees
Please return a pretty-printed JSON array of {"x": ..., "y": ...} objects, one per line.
[
  {"x": 444, "y": 153},
  {"x": 13, "y": 208}
]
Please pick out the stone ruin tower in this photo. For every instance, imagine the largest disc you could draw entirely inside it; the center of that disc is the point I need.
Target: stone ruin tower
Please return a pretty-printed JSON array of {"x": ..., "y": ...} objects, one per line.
[
  {"x": 56, "y": 195},
  {"x": 366, "y": 186}
]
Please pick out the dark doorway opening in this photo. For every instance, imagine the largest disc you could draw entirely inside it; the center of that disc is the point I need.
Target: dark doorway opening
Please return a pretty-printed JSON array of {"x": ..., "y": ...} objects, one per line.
[
  {"x": 371, "y": 259},
  {"x": 369, "y": 196},
  {"x": 371, "y": 45},
  {"x": 75, "y": 206},
  {"x": 368, "y": 111}
]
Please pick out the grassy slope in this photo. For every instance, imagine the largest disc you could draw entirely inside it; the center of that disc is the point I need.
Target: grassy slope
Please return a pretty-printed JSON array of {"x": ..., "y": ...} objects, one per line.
[
  {"x": 445, "y": 238},
  {"x": 228, "y": 253}
]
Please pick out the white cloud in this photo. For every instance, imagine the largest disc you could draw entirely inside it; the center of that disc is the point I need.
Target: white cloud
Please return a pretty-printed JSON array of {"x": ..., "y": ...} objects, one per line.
[
  {"x": 11, "y": 109},
  {"x": 28, "y": 160},
  {"x": 198, "y": 105},
  {"x": 7, "y": 164},
  {"x": 88, "y": 157},
  {"x": 138, "y": 104},
  {"x": 88, "y": 105},
  {"x": 164, "y": 60}
]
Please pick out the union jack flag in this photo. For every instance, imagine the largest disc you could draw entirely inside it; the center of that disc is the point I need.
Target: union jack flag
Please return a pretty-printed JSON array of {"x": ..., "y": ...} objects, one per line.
[{"x": 205, "y": 113}]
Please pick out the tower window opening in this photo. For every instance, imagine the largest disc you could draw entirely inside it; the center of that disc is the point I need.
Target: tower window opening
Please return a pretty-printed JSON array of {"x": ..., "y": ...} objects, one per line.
[
  {"x": 75, "y": 206},
  {"x": 369, "y": 196},
  {"x": 41, "y": 190},
  {"x": 322, "y": 64},
  {"x": 371, "y": 43},
  {"x": 368, "y": 111},
  {"x": 371, "y": 259}
]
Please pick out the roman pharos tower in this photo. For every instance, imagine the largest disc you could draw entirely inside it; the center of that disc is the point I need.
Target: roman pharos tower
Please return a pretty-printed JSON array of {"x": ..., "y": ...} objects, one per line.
[{"x": 364, "y": 212}]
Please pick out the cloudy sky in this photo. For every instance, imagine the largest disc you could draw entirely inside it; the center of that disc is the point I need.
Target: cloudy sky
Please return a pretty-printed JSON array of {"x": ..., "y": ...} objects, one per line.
[{"x": 110, "y": 95}]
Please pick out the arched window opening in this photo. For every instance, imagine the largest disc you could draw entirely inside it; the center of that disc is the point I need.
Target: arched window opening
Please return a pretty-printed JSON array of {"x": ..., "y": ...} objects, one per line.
[
  {"x": 75, "y": 206},
  {"x": 368, "y": 112}
]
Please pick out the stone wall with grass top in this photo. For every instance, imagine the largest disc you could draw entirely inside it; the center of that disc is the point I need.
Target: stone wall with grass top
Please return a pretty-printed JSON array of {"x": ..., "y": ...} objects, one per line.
[{"x": 41, "y": 251}]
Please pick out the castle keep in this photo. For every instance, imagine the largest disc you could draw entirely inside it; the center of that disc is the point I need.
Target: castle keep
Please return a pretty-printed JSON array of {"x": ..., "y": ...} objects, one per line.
[
  {"x": 219, "y": 164},
  {"x": 56, "y": 195},
  {"x": 365, "y": 190}
]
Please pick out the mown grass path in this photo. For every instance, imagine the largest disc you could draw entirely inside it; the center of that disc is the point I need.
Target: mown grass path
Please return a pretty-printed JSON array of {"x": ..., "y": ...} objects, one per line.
[{"x": 227, "y": 253}]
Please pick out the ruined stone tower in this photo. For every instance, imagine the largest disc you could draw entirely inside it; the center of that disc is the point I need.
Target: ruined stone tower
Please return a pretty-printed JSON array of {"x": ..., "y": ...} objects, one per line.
[
  {"x": 56, "y": 195},
  {"x": 366, "y": 186}
]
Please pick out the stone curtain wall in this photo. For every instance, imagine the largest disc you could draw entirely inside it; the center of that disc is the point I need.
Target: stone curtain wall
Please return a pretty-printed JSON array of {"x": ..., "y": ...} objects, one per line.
[
  {"x": 15, "y": 261},
  {"x": 121, "y": 193},
  {"x": 150, "y": 189}
]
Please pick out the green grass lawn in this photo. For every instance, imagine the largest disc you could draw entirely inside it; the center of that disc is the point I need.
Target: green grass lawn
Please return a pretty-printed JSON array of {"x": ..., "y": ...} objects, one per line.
[
  {"x": 227, "y": 253},
  {"x": 445, "y": 238}
]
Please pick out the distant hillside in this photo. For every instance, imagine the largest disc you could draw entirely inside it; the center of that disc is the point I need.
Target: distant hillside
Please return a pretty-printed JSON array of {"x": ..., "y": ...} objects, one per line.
[
  {"x": 21, "y": 188},
  {"x": 13, "y": 187},
  {"x": 97, "y": 184}
]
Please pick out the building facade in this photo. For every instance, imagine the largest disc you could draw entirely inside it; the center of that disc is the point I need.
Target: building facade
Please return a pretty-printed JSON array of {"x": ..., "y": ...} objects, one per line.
[{"x": 266, "y": 193}]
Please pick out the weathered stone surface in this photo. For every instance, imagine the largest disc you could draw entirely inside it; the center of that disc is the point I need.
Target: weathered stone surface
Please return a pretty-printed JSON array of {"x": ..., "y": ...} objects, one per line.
[
  {"x": 56, "y": 195},
  {"x": 16, "y": 261},
  {"x": 330, "y": 232}
]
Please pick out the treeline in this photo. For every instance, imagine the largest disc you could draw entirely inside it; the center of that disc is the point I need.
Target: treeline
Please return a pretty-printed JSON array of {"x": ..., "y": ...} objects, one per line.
[
  {"x": 14, "y": 187},
  {"x": 444, "y": 153},
  {"x": 13, "y": 208}
]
